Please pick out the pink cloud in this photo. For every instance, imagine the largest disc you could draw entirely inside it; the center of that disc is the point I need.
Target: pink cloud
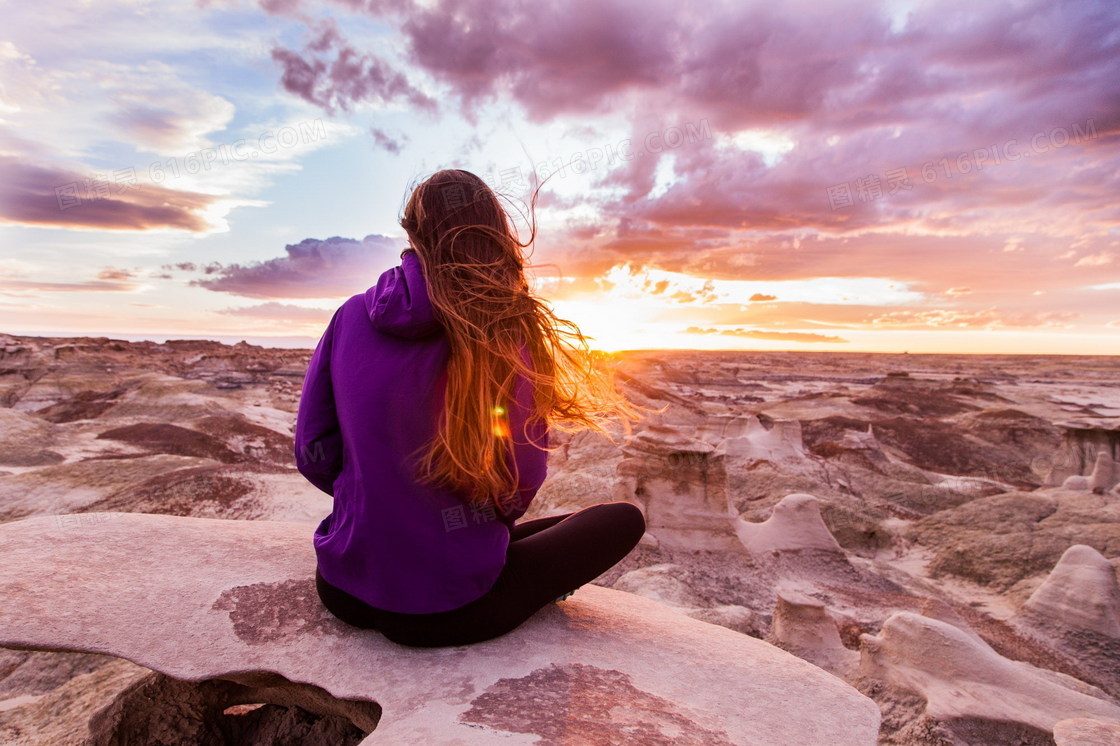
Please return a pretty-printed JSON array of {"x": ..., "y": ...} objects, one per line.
[
  {"x": 984, "y": 319},
  {"x": 22, "y": 288},
  {"x": 763, "y": 334}
]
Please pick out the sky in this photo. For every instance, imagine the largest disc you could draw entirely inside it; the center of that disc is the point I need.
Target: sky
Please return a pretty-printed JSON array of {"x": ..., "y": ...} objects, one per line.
[{"x": 863, "y": 176}]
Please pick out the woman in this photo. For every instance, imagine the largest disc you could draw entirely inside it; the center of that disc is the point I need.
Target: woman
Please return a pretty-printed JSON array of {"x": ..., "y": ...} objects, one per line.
[{"x": 426, "y": 414}]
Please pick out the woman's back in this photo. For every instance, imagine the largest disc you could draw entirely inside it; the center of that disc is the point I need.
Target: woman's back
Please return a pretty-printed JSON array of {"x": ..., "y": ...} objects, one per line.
[{"x": 373, "y": 395}]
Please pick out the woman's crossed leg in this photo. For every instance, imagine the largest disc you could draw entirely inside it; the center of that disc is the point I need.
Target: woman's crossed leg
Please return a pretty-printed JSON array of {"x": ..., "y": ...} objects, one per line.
[{"x": 547, "y": 557}]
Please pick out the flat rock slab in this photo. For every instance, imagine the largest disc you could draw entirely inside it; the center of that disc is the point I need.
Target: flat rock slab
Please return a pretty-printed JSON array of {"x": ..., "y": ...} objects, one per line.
[{"x": 201, "y": 599}]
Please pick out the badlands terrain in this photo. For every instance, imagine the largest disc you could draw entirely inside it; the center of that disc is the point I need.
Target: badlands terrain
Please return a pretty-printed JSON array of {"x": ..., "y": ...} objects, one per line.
[{"x": 935, "y": 538}]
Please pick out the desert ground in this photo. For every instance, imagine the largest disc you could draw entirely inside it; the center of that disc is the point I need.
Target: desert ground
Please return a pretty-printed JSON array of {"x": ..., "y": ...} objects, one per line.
[{"x": 940, "y": 532}]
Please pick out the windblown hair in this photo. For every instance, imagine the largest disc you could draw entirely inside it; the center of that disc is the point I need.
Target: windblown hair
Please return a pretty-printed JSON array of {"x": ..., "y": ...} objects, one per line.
[{"x": 474, "y": 267}]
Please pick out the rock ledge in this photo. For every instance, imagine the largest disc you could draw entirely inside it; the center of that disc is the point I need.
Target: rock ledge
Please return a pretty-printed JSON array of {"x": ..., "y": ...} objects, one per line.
[{"x": 219, "y": 601}]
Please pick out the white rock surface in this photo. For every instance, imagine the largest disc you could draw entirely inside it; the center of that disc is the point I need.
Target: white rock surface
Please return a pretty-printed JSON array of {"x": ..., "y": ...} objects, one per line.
[
  {"x": 732, "y": 616},
  {"x": 680, "y": 483},
  {"x": 207, "y": 599},
  {"x": 962, "y": 678},
  {"x": 660, "y": 582},
  {"x": 1081, "y": 592},
  {"x": 1102, "y": 479},
  {"x": 778, "y": 441},
  {"x": 1076, "y": 482},
  {"x": 795, "y": 524},
  {"x": 1105, "y": 474},
  {"x": 1086, "y": 732},
  {"x": 803, "y": 627}
]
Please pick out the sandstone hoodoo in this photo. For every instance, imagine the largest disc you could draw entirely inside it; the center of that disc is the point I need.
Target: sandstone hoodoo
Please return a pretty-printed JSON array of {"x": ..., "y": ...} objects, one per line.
[
  {"x": 681, "y": 482},
  {"x": 1080, "y": 593},
  {"x": 803, "y": 627},
  {"x": 795, "y": 526}
]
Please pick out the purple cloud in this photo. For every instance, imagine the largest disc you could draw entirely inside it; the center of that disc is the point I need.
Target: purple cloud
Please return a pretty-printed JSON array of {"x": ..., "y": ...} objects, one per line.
[
  {"x": 48, "y": 195},
  {"x": 332, "y": 74},
  {"x": 334, "y": 268}
]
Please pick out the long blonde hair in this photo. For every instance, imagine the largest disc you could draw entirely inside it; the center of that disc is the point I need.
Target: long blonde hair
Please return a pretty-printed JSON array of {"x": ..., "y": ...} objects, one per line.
[{"x": 474, "y": 267}]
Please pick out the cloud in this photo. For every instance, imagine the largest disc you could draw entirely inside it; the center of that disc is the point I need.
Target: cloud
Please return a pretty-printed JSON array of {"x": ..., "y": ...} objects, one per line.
[
  {"x": 931, "y": 128},
  {"x": 34, "y": 287},
  {"x": 983, "y": 319},
  {"x": 382, "y": 140},
  {"x": 154, "y": 127},
  {"x": 333, "y": 74},
  {"x": 935, "y": 127},
  {"x": 112, "y": 273},
  {"x": 552, "y": 58},
  {"x": 1095, "y": 260},
  {"x": 282, "y": 312},
  {"x": 74, "y": 107},
  {"x": 642, "y": 282},
  {"x": 795, "y": 122},
  {"x": 750, "y": 61},
  {"x": 90, "y": 126},
  {"x": 47, "y": 195},
  {"x": 761, "y": 334},
  {"x": 209, "y": 269},
  {"x": 334, "y": 268}
]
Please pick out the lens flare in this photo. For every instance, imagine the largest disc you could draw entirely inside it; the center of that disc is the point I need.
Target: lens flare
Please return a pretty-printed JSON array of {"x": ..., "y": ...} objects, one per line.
[{"x": 500, "y": 422}]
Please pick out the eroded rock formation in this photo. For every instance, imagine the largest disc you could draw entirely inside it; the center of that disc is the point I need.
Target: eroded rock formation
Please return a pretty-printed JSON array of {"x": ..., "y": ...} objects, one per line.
[
  {"x": 962, "y": 679},
  {"x": 795, "y": 526},
  {"x": 681, "y": 484},
  {"x": 795, "y": 497},
  {"x": 803, "y": 627},
  {"x": 1080, "y": 594}
]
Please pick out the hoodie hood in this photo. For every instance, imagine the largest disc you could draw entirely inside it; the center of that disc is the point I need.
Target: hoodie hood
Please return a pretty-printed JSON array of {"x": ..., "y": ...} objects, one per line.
[{"x": 399, "y": 305}]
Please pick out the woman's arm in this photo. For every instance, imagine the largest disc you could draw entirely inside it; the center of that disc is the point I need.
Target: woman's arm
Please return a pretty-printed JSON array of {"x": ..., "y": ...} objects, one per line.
[{"x": 318, "y": 438}]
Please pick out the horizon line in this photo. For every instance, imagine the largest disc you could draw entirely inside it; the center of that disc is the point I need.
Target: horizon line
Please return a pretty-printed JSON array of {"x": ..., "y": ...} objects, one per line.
[{"x": 223, "y": 340}]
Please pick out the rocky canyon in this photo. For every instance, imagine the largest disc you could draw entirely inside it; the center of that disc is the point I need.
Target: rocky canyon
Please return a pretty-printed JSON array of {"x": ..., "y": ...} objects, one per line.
[{"x": 840, "y": 548}]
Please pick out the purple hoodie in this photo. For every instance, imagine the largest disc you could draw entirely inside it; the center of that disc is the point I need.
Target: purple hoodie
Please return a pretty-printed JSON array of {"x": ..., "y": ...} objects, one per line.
[{"x": 373, "y": 393}]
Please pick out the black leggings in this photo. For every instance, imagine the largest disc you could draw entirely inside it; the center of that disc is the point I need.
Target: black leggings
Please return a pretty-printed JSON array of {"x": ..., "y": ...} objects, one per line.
[{"x": 547, "y": 557}]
